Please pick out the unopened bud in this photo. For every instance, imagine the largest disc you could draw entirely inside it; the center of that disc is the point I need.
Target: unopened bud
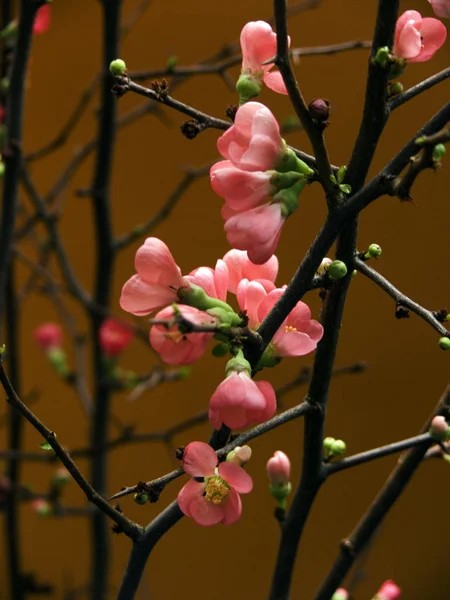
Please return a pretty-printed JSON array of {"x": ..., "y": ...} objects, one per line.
[
  {"x": 61, "y": 477},
  {"x": 319, "y": 110},
  {"x": 338, "y": 448},
  {"x": 439, "y": 151},
  {"x": 42, "y": 507},
  {"x": 140, "y": 498},
  {"x": 340, "y": 594},
  {"x": 240, "y": 455},
  {"x": 395, "y": 89},
  {"x": 337, "y": 270},
  {"x": 118, "y": 67},
  {"x": 388, "y": 591},
  {"x": 444, "y": 343},
  {"x": 279, "y": 468},
  {"x": 373, "y": 251},
  {"x": 323, "y": 267},
  {"x": 438, "y": 428}
]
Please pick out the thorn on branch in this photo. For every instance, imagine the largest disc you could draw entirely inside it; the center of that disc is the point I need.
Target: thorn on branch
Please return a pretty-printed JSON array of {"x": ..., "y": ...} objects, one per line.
[{"x": 401, "y": 312}]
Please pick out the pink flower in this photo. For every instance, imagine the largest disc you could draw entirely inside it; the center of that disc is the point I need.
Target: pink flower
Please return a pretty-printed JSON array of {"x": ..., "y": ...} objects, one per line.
[
  {"x": 253, "y": 143},
  {"x": 42, "y": 19},
  {"x": 176, "y": 348},
  {"x": 216, "y": 499},
  {"x": 114, "y": 337},
  {"x": 297, "y": 336},
  {"x": 241, "y": 267},
  {"x": 279, "y": 468},
  {"x": 241, "y": 190},
  {"x": 256, "y": 230},
  {"x": 48, "y": 336},
  {"x": 213, "y": 281},
  {"x": 239, "y": 402},
  {"x": 388, "y": 591},
  {"x": 418, "y": 39},
  {"x": 157, "y": 281},
  {"x": 259, "y": 44},
  {"x": 441, "y": 8}
]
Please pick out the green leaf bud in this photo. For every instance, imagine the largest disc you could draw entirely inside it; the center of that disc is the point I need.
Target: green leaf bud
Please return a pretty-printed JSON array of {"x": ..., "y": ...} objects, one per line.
[
  {"x": 337, "y": 270},
  {"x": 118, "y": 67}
]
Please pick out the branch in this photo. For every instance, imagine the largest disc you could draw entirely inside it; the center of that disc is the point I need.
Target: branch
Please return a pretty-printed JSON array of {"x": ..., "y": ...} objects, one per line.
[
  {"x": 400, "y": 298},
  {"x": 419, "y": 88}
]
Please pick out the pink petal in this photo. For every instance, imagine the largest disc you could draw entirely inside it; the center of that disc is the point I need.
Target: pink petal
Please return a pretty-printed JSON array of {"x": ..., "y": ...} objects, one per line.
[
  {"x": 294, "y": 343},
  {"x": 191, "y": 490},
  {"x": 141, "y": 298},
  {"x": 270, "y": 400},
  {"x": 221, "y": 279},
  {"x": 250, "y": 294},
  {"x": 232, "y": 508},
  {"x": 199, "y": 460},
  {"x": 241, "y": 267},
  {"x": 236, "y": 477},
  {"x": 206, "y": 513},
  {"x": 408, "y": 15},
  {"x": 155, "y": 264},
  {"x": 240, "y": 189},
  {"x": 409, "y": 43},
  {"x": 274, "y": 81},
  {"x": 184, "y": 350},
  {"x": 258, "y": 44},
  {"x": 433, "y": 34},
  {"x": 263, "y": 154},
  {"x": 42, "y": 19},
  {"x": 441, "y": 8},
  {"x": 203, "y": 277}
]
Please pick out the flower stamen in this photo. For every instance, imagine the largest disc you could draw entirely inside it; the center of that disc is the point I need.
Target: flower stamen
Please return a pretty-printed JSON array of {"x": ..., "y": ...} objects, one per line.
[{"x": 216, "y": 490}]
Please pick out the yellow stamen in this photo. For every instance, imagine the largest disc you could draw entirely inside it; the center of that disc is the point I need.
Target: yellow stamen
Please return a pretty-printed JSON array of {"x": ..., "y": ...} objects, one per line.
[
  {"x": 216, "y": 490},
  {"x": 289, "y": 328}
]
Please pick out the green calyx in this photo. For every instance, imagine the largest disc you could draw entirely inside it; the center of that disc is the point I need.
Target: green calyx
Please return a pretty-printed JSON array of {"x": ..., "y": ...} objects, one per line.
[
  {"x": 290, "y": 162},
  {"x": 288, "y": 198},
  {"x": 227, "y": 318},
  {"x": 238, "y": 364},
  {"x": 195, "y": 296},
  {"x": 248, "y": 86},
  {"x": 269, "y": 358},
  {"x": 280, "y": 491}
]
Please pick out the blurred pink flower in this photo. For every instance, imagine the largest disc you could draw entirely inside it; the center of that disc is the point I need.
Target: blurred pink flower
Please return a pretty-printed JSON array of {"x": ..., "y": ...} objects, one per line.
[
  {"x": 157, "y": 281},
  {"x": 253, "y": 142},
  {"x": 216, "y": 499},
  {"x": 241, "y": 267},
  {"x": 388, "y": 591},
  {"x": 279, "y": 468},
  {"x": 340, "y": 594},
  {"x": 239, "y": 402},
  {"x": 256, "y": 230},
  {"x": 48, "y": 335},
  {"x": 42, "y": 19},
  {"x": 240, "y": 189},
  {"x": 114, "y": 337},
  {"x": 417, "y": 39},
  {"x": 297, "y": 336},
  {"x": 176, "y": 348},
  {"x": 441, "y": 8},
  {"x": 259, "y": 44}
]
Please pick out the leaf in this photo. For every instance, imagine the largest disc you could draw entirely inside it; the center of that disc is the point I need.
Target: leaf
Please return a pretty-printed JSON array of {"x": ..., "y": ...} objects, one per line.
[
  {"x": 341, "y": 173},
  {"x": 346, "y": 188},
  {"x": 45, "y": 446}
]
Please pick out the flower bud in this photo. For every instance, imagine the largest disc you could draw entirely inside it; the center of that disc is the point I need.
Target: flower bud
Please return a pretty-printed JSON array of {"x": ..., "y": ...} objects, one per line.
[
  {"x": 340, "y": 594},
  {"x": 373, "y": 251},
  {"x": 438, "y": 428},
  {"x": 114, "y": 337},
  {"x": 395, "y": 89},
  {"x": 327, "y": 444},
  {"x": 41, "y": 507},
  {"x": 240, "y": 455},
  {"x": 2, "y": 169},
  {"x": 140, "y": 498},
  {"x": 248, "y": 87},
  {"x": 319, "y": 110},
  {"x": 338, "y": 448},
  {"x": 439, "y": 152},
  {"x": 382, "y": 57},
  {"x": 388, "y": 591},
  {"x": 118, "y": 67},
  {"x": 337, "y": 270},
  {"x": 278, "y": 468},
  {"x": 48, "y": 335},
  {"x": 323, "y": 267},
  {"x": 444, "y": 343},
  {"x": 61, "y": 477}
]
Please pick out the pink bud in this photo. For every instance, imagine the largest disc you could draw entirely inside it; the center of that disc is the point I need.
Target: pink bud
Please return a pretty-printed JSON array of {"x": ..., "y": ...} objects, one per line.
[
  {"x": 388, "y": 591},
  {"x": 441, "y": 8},
  {"x": 279, "y": 468},
  {"x": 417, "y": 39},
  {"x": 114, "y": 337},
  {"x": 438, "y": 428},
  {"x": 340, "y": 594},
  {"x": 42, "y": 19},
  {"x": 241, "y": 267},
  {"x": 48, "y": 335}
]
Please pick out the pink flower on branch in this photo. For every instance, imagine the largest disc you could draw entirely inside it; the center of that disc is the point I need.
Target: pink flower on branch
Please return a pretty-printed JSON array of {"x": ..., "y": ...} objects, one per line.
[
  {"x": 241, "y": 267},
  {"x": 279, "y": 468},
  {"x": 213, "y": 281},
  {"x": 441, "y": 8},
  {"x": 174, "y": 347},
  {"x": 216, "y": 499},
  {"x": 254, "y": 142},
  {"x": 239, "y": 402},
  {"x": 114, "y": 337},
  {"x": 388, "y": 591},
  {"x": 42, "y": 19},
  {"x": 48, "y": 336},
  {"x": 417, "y": 39},
  {"x": 258, "y": 45}
]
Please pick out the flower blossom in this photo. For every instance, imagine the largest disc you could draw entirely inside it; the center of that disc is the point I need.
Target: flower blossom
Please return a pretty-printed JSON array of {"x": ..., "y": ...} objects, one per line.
[
  {"x": 241, "y": 267},
  {"x": 441, "y": 8},
  {"x": 42, "y": 19},
  {"x": 417, "y": 39},
  {"x": 253, "y": 142},
  {"x": 388, "y": 591},
  {"x": 297, "y": 336},
  {"x": 174, "y": 347},
  {"x": 279, "y": 468},
  {"x": 114, "y": 337},
  {"x": 213, "y": 281},
  {"x": 258, "y": 45},
  {"x": 48, "y": 336},
  {"x": 216, "y": 499},
  {"x": 157, "y": 281},
  {"x": 239, "y": 402}
]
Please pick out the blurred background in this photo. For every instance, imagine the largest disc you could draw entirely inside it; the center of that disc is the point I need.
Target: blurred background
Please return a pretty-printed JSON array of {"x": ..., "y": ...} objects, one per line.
[{"x": 406, "y": 371}]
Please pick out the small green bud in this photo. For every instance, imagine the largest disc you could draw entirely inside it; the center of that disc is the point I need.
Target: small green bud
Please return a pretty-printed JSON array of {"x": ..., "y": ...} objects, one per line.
[
  {"x": 338, "y": 448},
  {"x": 328, "y": 443},
  {"x": 196, "y": 296},
  {"x": 382, "y": 57},
  {"x": 289, "y": 161},
  {"x": 341, "y": 174},
  {"x": 395, "y": 89},
  {"x": 248, "y": 87},
  {"x": 2, "y": 169},
  {"x": 444, "y": 343},
  {"x": 354, "y": 273},
  {"x": 118, "y": 67},
  {"x": 337, "y": 270},
  {"x": 373, "y": 251},
  {"x": 172, "y": 62},
  {"x": 446, "y": 457},
  {"x": 58, "y": 359},
  {"x": 140, "y": 498},
  {"x": 439, "y": 151},
  {"x": 340, "y": 594}
]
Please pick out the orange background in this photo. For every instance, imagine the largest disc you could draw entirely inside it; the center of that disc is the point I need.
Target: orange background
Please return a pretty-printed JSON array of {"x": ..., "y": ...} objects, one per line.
[{"x": 407, "y": 371}]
